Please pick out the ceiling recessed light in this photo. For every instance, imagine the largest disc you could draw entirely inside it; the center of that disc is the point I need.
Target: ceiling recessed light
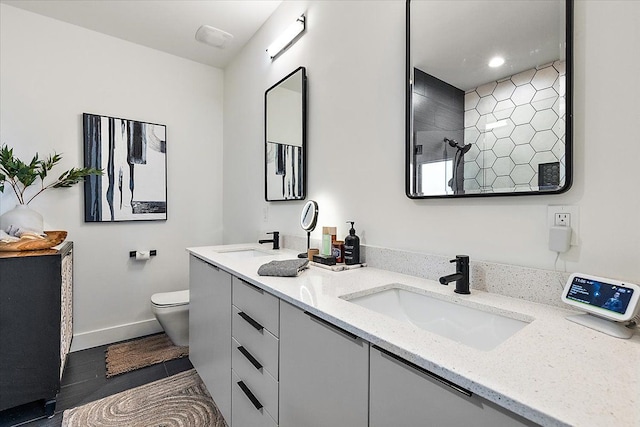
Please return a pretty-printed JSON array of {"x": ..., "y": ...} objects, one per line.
[
  {"x": 213, "y": 36},
  {"x": 496, "y": 62}
]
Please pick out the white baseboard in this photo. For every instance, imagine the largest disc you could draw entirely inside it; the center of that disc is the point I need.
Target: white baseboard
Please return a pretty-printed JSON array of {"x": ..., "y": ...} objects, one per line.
[{"x": 104, "y": 336}]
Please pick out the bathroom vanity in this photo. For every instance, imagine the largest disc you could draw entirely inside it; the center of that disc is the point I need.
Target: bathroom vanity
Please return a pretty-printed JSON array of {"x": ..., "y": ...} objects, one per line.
[{"x": 308, "y": 351}]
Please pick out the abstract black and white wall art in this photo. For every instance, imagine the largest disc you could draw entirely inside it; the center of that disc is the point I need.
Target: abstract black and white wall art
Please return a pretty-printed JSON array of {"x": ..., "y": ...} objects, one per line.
[
  {"x": 133, "y": 156},
  {"x": 285, "y": 172}
]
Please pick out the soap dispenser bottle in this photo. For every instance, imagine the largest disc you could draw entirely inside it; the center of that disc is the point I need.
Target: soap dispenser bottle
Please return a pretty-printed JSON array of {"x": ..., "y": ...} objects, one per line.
[{"x": 351, "y": 247}]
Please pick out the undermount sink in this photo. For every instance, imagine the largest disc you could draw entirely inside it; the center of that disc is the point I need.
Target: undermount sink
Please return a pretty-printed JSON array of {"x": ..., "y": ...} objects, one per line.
[
  {"x": 244, "y": 253},
  {"x": 467, "y": 325}
]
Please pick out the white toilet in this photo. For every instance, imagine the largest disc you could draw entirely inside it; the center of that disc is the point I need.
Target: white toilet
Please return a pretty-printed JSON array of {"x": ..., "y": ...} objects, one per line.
[{"x": 172, "y": 311}]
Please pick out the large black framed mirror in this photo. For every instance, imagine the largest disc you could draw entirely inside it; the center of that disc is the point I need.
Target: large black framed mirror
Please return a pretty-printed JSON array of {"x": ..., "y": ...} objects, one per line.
[
  {"x": 479, "y": 129},
  {"x": 285, "y": 109}
]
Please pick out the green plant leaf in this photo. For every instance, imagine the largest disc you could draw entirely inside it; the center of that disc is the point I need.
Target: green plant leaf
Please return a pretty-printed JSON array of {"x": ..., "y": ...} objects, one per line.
[
  {"x": 21, "y": 175},
  {"x": 75, "y": 175},
  {"x": 27, "y": 174}
]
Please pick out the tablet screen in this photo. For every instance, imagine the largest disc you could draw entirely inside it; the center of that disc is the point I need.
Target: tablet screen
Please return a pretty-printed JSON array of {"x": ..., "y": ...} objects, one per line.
[{"x": 610, "y": 297}]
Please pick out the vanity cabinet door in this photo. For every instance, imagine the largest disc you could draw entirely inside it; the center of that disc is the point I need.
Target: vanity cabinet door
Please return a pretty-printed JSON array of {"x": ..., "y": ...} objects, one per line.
[
  {"x": 210, "y": 330},
  {"x": 323, "y": 373},
  {"x": 404, "y": 395}
]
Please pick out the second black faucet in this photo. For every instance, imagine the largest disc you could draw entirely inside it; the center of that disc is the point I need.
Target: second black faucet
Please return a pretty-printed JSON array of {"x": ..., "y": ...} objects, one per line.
[
  {"x": 461, "y": 276},
  {"x": 275, "y": 240}
]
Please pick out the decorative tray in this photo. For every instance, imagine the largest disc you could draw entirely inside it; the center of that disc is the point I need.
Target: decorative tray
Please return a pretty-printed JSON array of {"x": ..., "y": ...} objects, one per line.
[
  {"x": 338, "y": 267},
  {"x": 28, "y": 244}
]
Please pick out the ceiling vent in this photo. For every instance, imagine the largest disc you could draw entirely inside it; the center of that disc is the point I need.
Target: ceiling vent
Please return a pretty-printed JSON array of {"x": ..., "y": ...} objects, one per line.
[{"x": 213, "y": 36}]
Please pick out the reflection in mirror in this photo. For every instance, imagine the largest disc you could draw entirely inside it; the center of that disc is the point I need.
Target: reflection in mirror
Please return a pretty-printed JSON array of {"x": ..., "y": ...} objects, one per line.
[
  {"x": 488, "y": 97},
  {"x": 285, "y": 138},
  {"x": 308, "y": 220}
]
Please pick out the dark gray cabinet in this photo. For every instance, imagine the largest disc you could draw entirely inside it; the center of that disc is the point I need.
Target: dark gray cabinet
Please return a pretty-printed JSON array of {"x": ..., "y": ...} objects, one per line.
[{"x": 35, "y": 324}]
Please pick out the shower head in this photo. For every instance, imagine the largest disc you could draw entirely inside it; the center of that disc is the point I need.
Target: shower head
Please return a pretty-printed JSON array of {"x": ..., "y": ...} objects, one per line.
[
  {"x": 462, "y": 148},
  {"x": 451, "y": 142}
]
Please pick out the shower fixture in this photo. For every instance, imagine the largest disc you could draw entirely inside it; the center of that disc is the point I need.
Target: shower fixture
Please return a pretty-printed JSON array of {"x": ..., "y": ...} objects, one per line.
[
  {"x": 461, "y": 150},
  {"x": 453, "y": 143}
]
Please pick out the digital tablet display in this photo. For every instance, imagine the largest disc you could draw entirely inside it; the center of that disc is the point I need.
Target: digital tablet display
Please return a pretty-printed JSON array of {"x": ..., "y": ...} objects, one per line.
[{"x": 595, "y": 293}]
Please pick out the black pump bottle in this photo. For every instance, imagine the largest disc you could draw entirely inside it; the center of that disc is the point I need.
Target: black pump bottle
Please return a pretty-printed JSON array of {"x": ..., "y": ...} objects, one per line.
[{"x": 351, "y": 247}]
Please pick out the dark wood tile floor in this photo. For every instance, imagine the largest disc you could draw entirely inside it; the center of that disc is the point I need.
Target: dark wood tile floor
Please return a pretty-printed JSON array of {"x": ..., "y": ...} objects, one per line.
[{"x": 84, "y": 381}]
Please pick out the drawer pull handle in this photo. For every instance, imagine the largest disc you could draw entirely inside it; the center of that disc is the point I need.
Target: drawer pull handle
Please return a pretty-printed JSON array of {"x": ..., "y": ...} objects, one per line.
[
  {"x": 252, "y": 286},
  {"x": 250, "y": 395},
  {"x": 331, "y": 326},
  {"x": 430, "y": 374},
  {"x": 250, "y": 321},
  {"x": 250, "y": 357}
]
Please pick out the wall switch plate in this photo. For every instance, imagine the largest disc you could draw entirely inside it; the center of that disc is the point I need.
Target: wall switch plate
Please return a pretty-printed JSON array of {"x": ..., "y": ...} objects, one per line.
[{"x": 565, "y": 215}]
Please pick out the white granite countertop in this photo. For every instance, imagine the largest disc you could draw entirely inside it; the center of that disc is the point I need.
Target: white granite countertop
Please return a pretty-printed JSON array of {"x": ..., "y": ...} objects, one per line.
[{"x": 553, "y": 372}]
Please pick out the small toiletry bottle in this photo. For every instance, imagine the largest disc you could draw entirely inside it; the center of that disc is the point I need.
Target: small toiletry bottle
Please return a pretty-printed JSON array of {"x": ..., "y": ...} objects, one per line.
[
  {"x": 328, "y": 236},
  {"x": 338, "y": 250},
  {"x": 351, "y": 247}
]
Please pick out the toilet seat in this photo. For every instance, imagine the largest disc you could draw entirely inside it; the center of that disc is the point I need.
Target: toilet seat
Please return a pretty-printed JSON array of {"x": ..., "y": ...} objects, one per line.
[{"x": 170, "y": 299}]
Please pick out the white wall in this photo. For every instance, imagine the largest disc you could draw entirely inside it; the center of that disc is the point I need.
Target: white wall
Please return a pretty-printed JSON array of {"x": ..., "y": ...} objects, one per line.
[
  {"x": 50, "y": 73},
  {"x": 354, "y": 54}
]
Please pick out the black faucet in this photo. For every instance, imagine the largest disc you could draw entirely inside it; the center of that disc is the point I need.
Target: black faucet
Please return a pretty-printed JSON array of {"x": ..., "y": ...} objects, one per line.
[
  {"x": 461, "y": 275},
  {"x": 275, "y": 240}
]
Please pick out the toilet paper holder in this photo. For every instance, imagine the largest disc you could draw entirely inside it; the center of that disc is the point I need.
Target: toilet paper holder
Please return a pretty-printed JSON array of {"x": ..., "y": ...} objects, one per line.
[{"x": 142, "y": 255}]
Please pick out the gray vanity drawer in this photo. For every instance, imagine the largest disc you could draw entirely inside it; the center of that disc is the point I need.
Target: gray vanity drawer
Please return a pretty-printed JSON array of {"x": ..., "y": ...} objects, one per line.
[
  {"x": 261, "y": 344},
  {"x": 259, "y": 305},
  {"x": 263, "y": 386},
  {"x": 243, "y": 411}
]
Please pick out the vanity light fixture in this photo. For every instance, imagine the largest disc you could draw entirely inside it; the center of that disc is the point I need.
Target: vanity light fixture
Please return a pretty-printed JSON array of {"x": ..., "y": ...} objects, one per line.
[
  {"x": 496, "y": 61},
  {"x": 287, "y": 38},
  {"x": 213, "y": 36}
]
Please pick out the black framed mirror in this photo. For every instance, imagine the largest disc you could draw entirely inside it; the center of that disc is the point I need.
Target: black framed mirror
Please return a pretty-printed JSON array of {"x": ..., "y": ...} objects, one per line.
[
  {"x": 285, "y": 109},
  {"x": 478, "y": 129}
]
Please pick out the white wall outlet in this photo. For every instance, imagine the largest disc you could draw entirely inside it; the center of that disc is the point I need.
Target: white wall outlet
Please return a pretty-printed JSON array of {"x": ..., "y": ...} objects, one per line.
[
  {"x": 562, "y": 219},
  {"x": 265, "y": 214},
  {"x": 563, "y": 215}
]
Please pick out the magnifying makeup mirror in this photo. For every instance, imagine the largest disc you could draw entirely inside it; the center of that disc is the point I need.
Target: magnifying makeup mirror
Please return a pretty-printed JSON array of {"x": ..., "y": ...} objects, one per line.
[{"x": 308, "y": 220}]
